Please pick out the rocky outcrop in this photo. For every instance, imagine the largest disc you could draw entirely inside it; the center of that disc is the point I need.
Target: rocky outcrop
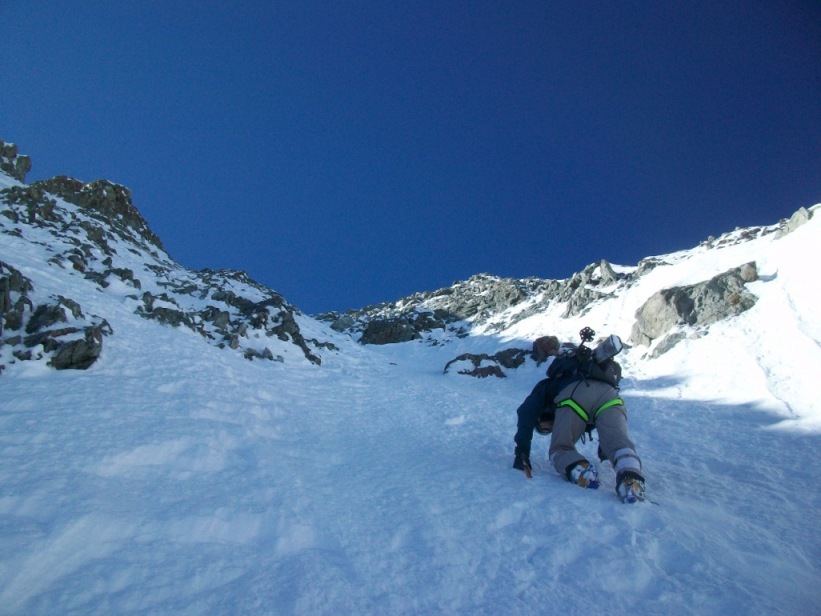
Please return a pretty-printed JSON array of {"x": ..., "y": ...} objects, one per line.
[
  {"x": 102, "y": 238},
  {"x": 701, "y": 304},
  {"x": 81, "y": 353},
  {"x": 481, "y": 297},
  {"x": 58, "y": 331},
  {"x": 409, "y": 326},
  {"x": 446, "y": 310},
  {"x": 12, "y": 163},
  {"x": 586, "y": 287},
  {"x": 482, "y": 365},
  {"x": 389, "y": 331},
  {"x": 28, "y": 205},
  {"x": 14, "y": 298},
  {"x": 799, "y": 217},
  {"x": 112, "y": 201}
]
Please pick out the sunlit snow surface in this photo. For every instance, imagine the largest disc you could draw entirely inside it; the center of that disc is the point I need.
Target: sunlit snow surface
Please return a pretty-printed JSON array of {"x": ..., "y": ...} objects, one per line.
[{"x": 173, "y": 477}]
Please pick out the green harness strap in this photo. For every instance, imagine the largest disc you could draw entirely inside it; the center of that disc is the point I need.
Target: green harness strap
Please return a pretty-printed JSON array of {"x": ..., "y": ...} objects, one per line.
[
  {"x": 583, "y": 414},
  {"x": 607, "y": 405},
  {"x": 579, "y": 410}
]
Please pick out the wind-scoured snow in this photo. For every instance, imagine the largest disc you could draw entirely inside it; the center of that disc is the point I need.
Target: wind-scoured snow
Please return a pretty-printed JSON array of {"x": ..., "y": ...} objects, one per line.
[{"x": 173, "y": 477}]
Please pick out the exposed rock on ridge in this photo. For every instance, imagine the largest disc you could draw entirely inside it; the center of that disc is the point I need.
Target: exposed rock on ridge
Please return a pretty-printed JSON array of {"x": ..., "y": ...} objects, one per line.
[
  {"x": 57, "y": 331},
  {"x": 94, "y": 232},
  {"x": 799, "y": 217},
  {"x": 700, "y": 304},
  {"x": 494, "y": 304},
  {"x": 483, "y": 300},
  {"x": 483, "y": 365},
  {"x": 13, "y": 164},
  {"x": 111, "y": 200}
]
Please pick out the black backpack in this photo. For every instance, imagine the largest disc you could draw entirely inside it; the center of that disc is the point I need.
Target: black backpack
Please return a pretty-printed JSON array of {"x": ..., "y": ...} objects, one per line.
[
  {"x": 597, "y": 364},
  {"x": 608, "y": 371}
]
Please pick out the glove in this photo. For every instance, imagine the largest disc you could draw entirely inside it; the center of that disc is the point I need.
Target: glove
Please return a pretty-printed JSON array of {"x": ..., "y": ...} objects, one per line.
[{"x": 522, "y": 461}]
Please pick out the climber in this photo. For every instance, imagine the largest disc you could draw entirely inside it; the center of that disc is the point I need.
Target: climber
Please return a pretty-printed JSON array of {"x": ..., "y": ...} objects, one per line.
[{"x": 579, "y": 394}]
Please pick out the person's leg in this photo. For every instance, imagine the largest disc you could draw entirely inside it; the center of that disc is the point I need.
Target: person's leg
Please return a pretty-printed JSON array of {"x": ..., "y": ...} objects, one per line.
[
  {"x": 615, "y": 442},
  {"x": 568, "y": 428}
]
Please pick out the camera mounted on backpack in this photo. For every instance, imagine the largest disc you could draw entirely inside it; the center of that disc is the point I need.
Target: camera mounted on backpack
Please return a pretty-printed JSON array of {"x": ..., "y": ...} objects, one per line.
[
  {"x": 583, "y": 352},
  {"x": 606, "y": 349},
  {"x": 587, "y": 334}
]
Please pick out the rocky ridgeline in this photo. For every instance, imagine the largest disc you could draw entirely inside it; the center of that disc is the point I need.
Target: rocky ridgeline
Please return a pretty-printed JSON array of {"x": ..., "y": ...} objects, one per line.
[
  {"x": 111, "y": 201},
  {"x": 485, "y": 301},
  {"x": 495, "y": 304},
  {"x": 482, "y": 300},
  {"x": 95, "y": 232}
]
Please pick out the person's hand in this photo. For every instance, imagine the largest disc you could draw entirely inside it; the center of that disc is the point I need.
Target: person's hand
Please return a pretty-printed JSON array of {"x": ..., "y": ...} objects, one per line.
[{"x": 522, "y": 462}]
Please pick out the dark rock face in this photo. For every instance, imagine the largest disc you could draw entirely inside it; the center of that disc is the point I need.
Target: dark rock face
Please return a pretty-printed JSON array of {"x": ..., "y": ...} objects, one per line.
[
  {"x": 112, "y": 201},
  {"x": 389, "y": 331},
  {"x": 12, "y": 163},
  {"x": 14, "y": 300},
  {"x": 483, "y": 365},
  {"x": 57, "y": 331},
  {"x": 79, "y": 354},
  {"x": 701, "y": 304}
]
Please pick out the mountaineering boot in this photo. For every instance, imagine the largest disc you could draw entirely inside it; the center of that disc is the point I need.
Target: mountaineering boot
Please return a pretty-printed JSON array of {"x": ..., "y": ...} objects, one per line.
[
  {"x": 583, "y": 474},
  {"x": 630, "y": 487}
]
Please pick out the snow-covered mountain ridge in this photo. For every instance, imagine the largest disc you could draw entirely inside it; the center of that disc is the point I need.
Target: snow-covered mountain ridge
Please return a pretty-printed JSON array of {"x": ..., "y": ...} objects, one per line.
[
  {"x": 485, "y": 325},
  {"x": 174, "y": 476},
  {"x": 95, "y": 233},
  {"x": 486, "y": 304},
  {"x": 94, "y": 230}
]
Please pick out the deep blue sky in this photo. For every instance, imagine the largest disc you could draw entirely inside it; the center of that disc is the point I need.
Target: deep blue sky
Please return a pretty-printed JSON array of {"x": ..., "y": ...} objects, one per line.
[{"x": 346, "y": 153}]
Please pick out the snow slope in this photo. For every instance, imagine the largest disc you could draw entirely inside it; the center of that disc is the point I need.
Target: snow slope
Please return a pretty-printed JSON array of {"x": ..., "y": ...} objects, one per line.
[{"x": 175, "y": 477}]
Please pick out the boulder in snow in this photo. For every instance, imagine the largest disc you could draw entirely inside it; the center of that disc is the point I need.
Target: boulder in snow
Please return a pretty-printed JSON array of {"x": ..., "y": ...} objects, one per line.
[{"x": 702, "y": 304}]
